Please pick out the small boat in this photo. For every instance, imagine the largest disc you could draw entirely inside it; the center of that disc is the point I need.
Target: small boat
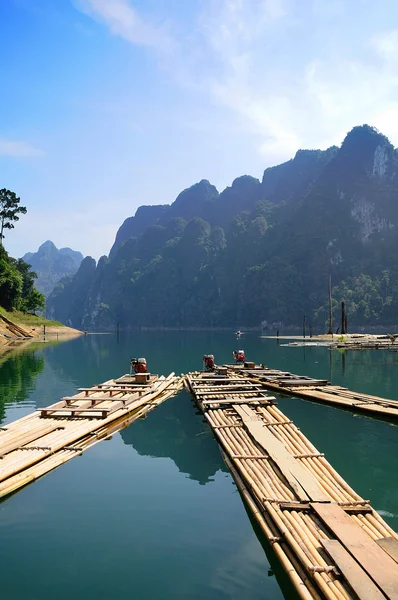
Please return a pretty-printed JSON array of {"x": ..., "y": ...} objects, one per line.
[{"x": 238, "y": 332}]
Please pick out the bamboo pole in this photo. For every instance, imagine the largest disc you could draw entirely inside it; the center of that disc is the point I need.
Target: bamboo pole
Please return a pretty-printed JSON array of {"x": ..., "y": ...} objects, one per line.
[
  {"x": 22, "y": 466},
  {"x": 264, "y": 486}
]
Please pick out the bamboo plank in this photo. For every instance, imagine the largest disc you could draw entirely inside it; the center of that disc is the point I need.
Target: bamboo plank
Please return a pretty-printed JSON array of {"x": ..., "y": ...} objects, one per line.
[
  {"x": 98, "y": 399},
  {"x": 242, "y": 383},
  {"x": 304, "y": 485},
  {"x": 302, "y": 383},
  {"x": 296, "y": 574},
  {"x": 27, "y": 438},
  {"x": 215, "y": 392},
  {"x": 382, "y": 407},
  {"x": 18, "y": 460},
  {"x": 91, "y": 438},
  {"x": 110, "y": 388},
  {"x": 389, "y": 545},
  {"x": 351, "y": 509},
  {"x": 267, "y": 490},
  {"x": 255, "y": 399},
  {"x": 376, "y": 562},
  {"x": 358, "y": 579},
  {"x": 214, "y": 378}
]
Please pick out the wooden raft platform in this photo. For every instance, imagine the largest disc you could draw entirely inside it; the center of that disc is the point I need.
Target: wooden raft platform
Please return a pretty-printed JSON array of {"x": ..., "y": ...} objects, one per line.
[
  {"x": 51, "y": 436},
  {"x": 320, "y": 390},
  {"x": 330, "y": 541}
]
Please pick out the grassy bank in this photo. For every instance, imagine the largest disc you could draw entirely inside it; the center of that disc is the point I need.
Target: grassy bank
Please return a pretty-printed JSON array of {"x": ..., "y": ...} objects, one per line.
[{"x": 21, "y": 318}]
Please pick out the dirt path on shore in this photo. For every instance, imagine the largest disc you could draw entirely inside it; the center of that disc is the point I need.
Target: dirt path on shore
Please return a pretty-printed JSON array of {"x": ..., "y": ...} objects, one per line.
[{"x": 11, "y": 332}]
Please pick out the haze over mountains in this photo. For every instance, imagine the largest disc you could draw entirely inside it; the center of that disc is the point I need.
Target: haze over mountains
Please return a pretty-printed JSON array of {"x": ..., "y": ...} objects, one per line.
[
  {"x": 258, "y": 251},
  {"x": 52, "y": 264}
]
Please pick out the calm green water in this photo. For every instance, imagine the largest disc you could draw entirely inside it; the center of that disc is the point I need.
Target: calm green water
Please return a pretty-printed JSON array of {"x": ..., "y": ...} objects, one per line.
[{"x": 153, "y": 513}]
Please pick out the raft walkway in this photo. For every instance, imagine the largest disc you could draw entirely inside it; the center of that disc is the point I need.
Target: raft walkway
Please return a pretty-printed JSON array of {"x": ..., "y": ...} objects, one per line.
[
  {"x": 320, "y": 390},
  {"x": 331, "y": 542},
  {"x": 51, "y": 436}
]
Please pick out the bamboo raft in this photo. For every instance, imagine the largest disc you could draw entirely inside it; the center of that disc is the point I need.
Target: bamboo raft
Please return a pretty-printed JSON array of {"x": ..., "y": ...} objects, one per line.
[
  {"x": 330, "y": 541},
  {"x": 51, "y": 436},
  {"x": 320, "y": 390}
]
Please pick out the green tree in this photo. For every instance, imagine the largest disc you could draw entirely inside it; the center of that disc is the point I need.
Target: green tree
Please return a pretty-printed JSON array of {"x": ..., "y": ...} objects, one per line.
[
  {"x": 10, "y": 284},
  {"x": 34, "y": 301},
  {"x": 9, "y": 210},
  {"x": 28, "y": 277}
]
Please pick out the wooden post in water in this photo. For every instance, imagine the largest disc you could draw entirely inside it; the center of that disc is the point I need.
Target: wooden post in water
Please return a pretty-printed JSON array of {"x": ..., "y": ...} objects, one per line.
[
  {"x": 345, "y": 324},
  {"x": 304, "y": 326},
  {"x": 343, "y": 319},
  {"x": 310, "y": 330},
  {"x": 330, "y": 330}
]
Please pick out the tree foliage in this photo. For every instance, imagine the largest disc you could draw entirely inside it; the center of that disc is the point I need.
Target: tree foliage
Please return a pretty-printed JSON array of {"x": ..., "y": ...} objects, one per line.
[
  {"x": 16, "y": 279},
  {"x": 259, "y": 251},
  {"x": 9, "y": 210}
]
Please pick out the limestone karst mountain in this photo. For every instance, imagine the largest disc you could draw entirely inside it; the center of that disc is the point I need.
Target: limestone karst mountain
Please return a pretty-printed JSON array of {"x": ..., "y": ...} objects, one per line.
[
  {"x": 258, "y": 251},
  {"x": 52, "y": 264}
]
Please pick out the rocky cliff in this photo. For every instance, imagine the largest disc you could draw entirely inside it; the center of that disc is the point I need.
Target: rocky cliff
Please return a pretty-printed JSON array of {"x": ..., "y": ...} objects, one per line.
[{"x": 258, "y": 251}]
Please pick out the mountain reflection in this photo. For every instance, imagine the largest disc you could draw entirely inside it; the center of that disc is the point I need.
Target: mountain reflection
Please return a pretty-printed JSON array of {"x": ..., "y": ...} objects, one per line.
[{"x": 176, "y": 431}]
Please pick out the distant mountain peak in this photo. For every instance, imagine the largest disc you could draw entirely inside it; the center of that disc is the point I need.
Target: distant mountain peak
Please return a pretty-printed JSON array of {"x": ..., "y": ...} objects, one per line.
[
  {"x": 193, "y": 263},
  {"x": 366, "y": 149},
  {"x": 48, "y": 245},
  {"x": 366, "y": 137},
  {"x": 52, "y": 264}
]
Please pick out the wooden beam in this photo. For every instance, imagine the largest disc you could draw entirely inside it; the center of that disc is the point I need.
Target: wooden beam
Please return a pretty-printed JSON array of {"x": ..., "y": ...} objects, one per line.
[
  {"x": 301, "y": 481},
  {"x": 389, "y": 545},
  {"x": 307, "y": 507},
  {"x": 261, "y": 399},
  {"x": 358, "y": 579},
  {"x": 27, "y": 438},
  {"x": 373, "y": 559},
  {"x": 301, "y": 382}
]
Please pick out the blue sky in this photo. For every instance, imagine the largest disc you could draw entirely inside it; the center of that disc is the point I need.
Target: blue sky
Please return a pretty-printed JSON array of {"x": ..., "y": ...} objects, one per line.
[{"x": 110, "y": 104}]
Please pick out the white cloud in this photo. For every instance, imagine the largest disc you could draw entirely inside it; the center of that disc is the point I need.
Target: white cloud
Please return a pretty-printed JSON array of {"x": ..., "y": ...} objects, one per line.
[
  {"x": 291, "y": 101},
  {"x": 386, "y": 44},
  {"x": 294, "y": 74},
  {"x": 124, "y": 20},
  {"x": 18, "y": 149}
]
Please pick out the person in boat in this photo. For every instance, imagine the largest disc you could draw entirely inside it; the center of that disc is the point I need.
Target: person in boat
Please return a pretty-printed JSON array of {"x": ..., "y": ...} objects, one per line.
[
  {"x": 208, "y": 361},
  {"x": 138, "y": 365},
  {"x": 239, "y": 356}
]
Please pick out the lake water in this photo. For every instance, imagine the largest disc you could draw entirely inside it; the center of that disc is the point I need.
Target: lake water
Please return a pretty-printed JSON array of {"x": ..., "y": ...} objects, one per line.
[{"x": 153, "y": 513}]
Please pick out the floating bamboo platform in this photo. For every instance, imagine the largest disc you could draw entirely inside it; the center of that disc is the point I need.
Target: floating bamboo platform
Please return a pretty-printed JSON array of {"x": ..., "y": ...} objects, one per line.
[
  {"x": 53, "y": 435},
  {"x": 320, "y": 390},
  {"x": 330, "y": 541}
]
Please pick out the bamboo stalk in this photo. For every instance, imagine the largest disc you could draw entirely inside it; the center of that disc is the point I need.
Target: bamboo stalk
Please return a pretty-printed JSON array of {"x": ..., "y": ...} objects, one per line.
[
  {"x": 263, "y": 485},
  {"x": 20, "y": 467}
]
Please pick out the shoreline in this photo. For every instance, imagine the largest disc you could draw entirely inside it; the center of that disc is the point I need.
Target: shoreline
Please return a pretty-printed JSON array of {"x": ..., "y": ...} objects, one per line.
[{"x": 13, "y": 333}]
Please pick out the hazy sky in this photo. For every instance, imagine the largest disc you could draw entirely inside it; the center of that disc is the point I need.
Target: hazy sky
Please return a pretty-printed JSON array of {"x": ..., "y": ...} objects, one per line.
[{"x": 109, "y": 104}]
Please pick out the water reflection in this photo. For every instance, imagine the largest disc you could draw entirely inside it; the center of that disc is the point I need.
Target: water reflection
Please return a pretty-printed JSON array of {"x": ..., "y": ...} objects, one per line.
[
  {"x": 166, "y": 515},
  {"x": 18, "y": 372},
  {"x": 176, "y": 430}
]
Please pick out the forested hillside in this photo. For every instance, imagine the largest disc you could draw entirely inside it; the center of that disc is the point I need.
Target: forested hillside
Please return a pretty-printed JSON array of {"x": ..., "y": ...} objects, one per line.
[
  {"x": 17, "y": 289},
  {"x": 258, "y": 251}
]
